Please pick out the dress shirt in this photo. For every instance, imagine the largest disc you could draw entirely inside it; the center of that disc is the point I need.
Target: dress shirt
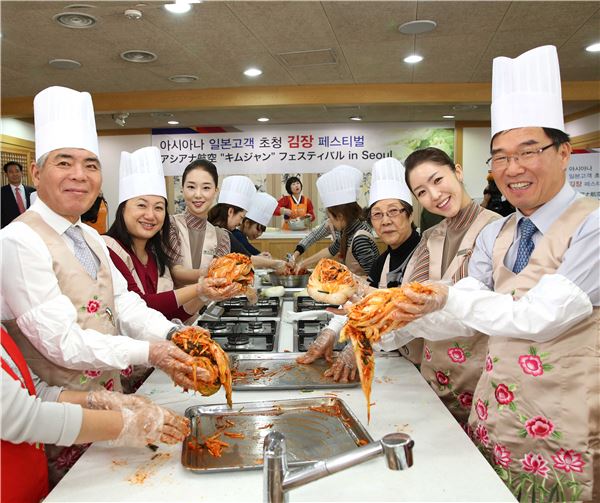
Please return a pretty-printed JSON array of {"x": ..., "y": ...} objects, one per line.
[
  {"x": 32, "y": 296},
  {"x": 24, "y": 414}
]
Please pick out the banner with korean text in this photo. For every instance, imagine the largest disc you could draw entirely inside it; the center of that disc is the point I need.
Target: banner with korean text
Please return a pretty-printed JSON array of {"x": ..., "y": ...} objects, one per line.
[
  {"x": 311, "y": 148},
  {"x": 584, "y": 172}
]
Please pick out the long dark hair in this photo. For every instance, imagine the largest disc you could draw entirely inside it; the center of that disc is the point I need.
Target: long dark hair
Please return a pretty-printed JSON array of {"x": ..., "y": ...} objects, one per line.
[
  {"x": 204, "y": 165},
  {"x": 91, "y": 215},
  {"x": 219, "y": 214},
  {"x": 159, "y": 243},
  {"x": 350, "y": 212}
]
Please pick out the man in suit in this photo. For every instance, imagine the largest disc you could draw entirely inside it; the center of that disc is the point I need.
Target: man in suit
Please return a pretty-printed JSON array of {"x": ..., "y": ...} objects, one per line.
[{"x": 16, "y": 197}]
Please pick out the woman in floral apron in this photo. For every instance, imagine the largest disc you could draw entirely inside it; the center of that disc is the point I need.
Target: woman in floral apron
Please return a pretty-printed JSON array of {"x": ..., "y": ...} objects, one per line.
[{"x": 453, "y": 367}]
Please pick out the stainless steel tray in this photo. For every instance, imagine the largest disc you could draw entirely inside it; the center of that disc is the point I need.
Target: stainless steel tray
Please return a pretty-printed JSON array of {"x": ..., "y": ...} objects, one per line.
[
  {"x": 310, "y": 434},
  {"x": 281, "y": 372}
]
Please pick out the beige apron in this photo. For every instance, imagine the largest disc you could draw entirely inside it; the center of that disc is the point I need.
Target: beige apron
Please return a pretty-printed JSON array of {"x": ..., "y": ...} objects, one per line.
[
  {"x": 384, "y": 272},
  {"x": 196, "y": 255},
  {"x": 95, "y": 310},
  {"x": 537, "y": 404},
  {"x": 350, "y": 261},
  {"x": 93, "y": 300},
  {"x": 452, "y": 367}
]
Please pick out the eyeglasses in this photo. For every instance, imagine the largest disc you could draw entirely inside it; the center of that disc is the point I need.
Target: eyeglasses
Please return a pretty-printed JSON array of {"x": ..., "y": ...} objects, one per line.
[
  {"x": 525, "y": 157},
  {"x": 391, "y": 213}
]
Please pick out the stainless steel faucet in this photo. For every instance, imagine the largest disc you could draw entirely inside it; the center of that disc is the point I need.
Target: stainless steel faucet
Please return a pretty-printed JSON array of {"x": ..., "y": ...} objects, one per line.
[{"x": 278, "y": 480}]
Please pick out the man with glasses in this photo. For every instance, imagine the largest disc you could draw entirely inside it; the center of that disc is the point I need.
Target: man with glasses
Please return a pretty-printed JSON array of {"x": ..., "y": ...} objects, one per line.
[{"x": 534, "y": 288}]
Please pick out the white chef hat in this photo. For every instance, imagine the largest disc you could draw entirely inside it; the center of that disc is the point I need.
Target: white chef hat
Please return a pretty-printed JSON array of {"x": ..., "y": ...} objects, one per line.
[
  {"x": 141, "y": 174},
  {"x": 263, "y": 206},
  {"x": 526, "y": 91},
  {"x": 237, "y": 191},
  {"x": 64, "y": 118},
  {"x": 387, "y": 181},
  {"x": 339, "y": 186}
]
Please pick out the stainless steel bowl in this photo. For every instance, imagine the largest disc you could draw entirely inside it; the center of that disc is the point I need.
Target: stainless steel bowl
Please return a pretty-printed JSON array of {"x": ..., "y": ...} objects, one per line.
[{"x": 292, "y": 281}]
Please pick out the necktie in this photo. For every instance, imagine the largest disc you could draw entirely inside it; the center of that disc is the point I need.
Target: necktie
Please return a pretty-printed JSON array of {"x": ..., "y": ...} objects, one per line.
[
  {"x": 19, "y": 199},
  {"x": 526, "y": 245},
  {"x": 82, "y": 250}
]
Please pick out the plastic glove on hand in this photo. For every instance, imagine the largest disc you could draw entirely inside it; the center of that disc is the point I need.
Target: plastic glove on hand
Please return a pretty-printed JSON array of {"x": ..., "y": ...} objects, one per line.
[
  {"x": 344, "y": 368},
  {"x": 280, "y": 266},
  {"x": 112, "y": 400},
  {"x": 362, "y": 287},
  {"x": 214, "y": 289},
  {"x": 149, "y": 425},
  {"x": 420, "y": 304},
  {"x": 321, "y": 347},
  {"x": 174, "y": 362}
]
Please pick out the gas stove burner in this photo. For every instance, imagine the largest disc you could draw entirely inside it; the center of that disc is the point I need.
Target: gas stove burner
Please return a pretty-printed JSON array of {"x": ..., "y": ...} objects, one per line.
[
  {"x": 255, "y": 326},
  {"x": 238, "y": 340},
  {"x": 219, "y": 326},
  {"x": 250, "y": 311}
]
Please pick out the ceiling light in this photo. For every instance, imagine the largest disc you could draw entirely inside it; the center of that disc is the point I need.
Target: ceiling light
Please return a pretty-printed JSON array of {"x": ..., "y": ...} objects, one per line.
[
  {"x": 263, "y": 119},
  {"x": 120, "y": 119},
  {"x": 75, "y": 20},
  {"x": 180, "y": 6},
  {"x": 64, "y": 64},
  {"x": 133, "y": 14},
  {"x": 413, "y": 58},
  {"x": 355, "y": 118},
  {"x": 593, "y": 48},
  {"x": 173, "y": 123},
  {"x": 447, "y": 116},
  {"x": 252, "y": 72},
  {"x": 183, "y": 79},
  {"x": 138, "y": 56},
  {"x": 416, "y": 27}
]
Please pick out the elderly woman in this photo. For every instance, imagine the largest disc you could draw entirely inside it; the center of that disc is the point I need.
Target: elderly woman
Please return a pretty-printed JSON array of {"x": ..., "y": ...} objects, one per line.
[{"x": 390, "y": 213}]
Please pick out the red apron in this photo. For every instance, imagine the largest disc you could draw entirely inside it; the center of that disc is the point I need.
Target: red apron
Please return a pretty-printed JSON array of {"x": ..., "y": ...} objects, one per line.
[{"x": 24, "y": 466}]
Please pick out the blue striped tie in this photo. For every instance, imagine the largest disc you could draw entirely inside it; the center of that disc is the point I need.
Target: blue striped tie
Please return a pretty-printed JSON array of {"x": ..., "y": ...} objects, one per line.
[{"x": 528, "y": 229}]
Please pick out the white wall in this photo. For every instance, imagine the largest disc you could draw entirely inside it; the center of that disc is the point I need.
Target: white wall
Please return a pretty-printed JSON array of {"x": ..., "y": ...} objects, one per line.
[
  {"x": 476, "y": 150},
  {"x": 584, "y": 125},
  {"x": 110, "y": 155},
  {"x": 17, "y": 129}
]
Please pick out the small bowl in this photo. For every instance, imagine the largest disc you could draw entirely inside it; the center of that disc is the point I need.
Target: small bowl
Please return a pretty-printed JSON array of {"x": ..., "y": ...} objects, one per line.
[{"x": 290, "y": 281}]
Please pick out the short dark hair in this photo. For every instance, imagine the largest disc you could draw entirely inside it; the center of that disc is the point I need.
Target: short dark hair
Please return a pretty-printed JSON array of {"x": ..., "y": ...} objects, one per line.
[
  {"x": 159, "y": 243},
  {"x": 288, "y": 184},
  {"x": 249, "y": 221},
  {"x": 204, "y": 165},
  {"x": 557, "y": 136},
  {"x": 12, "y": 163},
  {"x": 429, "y": 154},
  {"x": 219, "y": 213}
]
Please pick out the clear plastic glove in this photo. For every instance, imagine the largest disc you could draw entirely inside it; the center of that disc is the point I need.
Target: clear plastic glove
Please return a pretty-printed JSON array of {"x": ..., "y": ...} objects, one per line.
[
  {"x": 321, "y": 347},
  {"x": 421, "y": 304},
  {"x": 279, "y": 265},
  {"x": 174, "y": 362},
  {"x": 214, "y": 289},
  {"x": 362, "y": 287},
  {"x": 265, "y": 254},
  {"x": 251, "y": 295},
  {"x": 112, "y": 400},
  {"x": 344, "y": 368},
  {"x": 149, "y": 425}
]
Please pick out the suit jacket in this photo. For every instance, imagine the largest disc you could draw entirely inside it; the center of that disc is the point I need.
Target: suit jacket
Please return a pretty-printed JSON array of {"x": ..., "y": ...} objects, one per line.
[{"x": 10, "y": 210}]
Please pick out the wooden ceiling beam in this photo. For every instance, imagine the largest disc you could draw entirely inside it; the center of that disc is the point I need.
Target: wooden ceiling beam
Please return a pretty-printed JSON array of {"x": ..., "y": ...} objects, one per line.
[{"x": 293, "y": 96}]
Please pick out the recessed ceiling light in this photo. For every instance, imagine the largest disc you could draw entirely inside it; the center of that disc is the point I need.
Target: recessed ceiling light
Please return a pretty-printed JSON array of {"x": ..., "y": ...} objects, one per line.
[
  {"x": 416, "y": 27},
  {"x": 180, "y": 6},
  {"x": 252, "y": 72},
  {"x": 355, "y": 118},
  {"x": 79, "y": 6},
  {"x": 447, "y": 116},
  {"x": 75, "y": 20},
  {"x": 64, "y": 64},
  {"x": 593, "y": 48},
  {"x": 263, "y": 119},
  {"x": 183, "y": 79},
  {"x": 138, "y": 56},
  {"x": 173, "y": 123},
  {"x": 413, "y": 58}
]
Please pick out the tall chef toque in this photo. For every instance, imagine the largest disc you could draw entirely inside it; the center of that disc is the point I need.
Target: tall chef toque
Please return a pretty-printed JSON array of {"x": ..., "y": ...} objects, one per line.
[
  {"x": 339, "y": 186},
  {"x": 64, "y": 118},
  {"x": 141, "y": 174},
  {"x": 387, "y": 182},
  {"x": 263, "y": 206},
  {"x": 237, "y": 191},
  {"x": 526, "y": 91}
]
